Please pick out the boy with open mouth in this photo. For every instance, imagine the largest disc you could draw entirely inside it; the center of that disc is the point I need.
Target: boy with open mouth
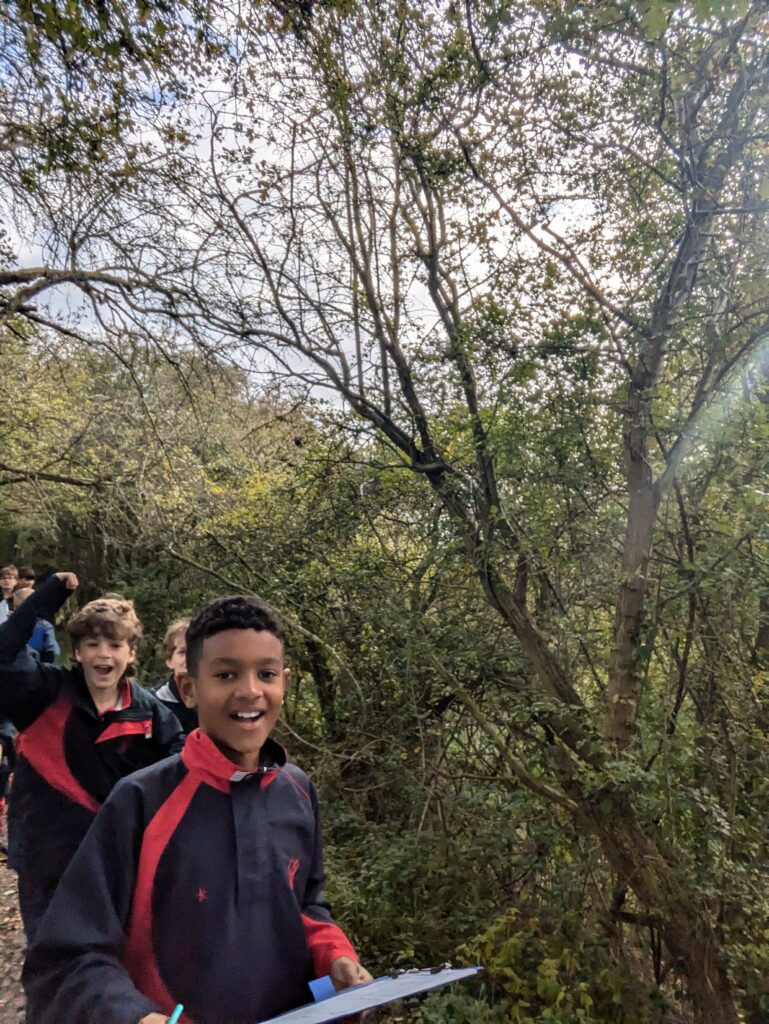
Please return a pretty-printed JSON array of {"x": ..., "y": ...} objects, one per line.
[
  {"x": 201, "y": 881},
  {"x": 81, "y": 730}
]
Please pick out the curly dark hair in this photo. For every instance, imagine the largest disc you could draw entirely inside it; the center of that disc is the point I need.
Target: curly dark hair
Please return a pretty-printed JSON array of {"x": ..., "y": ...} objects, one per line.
[
  {"x": 234, "y": 611},
  {"x": 113, "y": 617}
]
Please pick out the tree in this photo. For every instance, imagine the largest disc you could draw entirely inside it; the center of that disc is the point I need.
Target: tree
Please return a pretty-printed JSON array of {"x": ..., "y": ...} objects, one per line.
[
  {"x": 526, "y": 246},
  {"x": 81, "y": 83},
  {"x": 461, "y": 223}
]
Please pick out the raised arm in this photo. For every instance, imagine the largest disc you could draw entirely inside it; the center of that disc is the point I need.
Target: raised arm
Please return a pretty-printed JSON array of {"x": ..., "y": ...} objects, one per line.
[
  {"x": 27, "y": 688},
  {"x": 42, "y": 603}
]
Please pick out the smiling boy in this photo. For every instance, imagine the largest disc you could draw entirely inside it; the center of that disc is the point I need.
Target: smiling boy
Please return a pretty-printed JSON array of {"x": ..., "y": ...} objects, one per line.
[
  {"x": 80, "y": 731},
  {"x": 201, "y": 881},
  {"x": 237, "y": 684},
  {"x": 104, "y": 637}
]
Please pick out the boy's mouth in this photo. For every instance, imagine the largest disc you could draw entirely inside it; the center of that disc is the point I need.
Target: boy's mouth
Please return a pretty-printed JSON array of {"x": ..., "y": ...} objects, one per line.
[
  {"x": 102, "y": 671},
  {"x": 247, "y": 717}
]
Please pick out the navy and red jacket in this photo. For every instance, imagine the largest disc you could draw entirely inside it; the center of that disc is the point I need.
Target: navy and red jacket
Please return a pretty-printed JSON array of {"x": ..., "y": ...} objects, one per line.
[
  {"x": 167, "y": 693},
  {"x": 199, "y": 884},
  {"x": 69, "y": 757}
]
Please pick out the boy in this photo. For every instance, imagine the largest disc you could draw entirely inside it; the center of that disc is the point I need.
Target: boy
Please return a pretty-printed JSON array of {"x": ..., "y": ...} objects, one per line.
[
  {"x": 175, "y": 652},
  {"x": 201, "y": 880},
  {"x": 9, "y": 577},
  {"x": 81, "y": 730},
  {"x": 27, "y": 577}
]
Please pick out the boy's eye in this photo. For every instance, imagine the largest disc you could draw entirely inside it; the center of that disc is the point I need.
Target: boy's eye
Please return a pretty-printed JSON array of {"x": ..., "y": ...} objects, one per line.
[
  {"x": 267, "y": 675},
  {"x": 225, "y": 675}
]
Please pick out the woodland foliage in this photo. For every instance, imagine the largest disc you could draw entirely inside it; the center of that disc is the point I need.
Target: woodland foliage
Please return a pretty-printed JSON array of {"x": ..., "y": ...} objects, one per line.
[{"x": 445, "y": 328}]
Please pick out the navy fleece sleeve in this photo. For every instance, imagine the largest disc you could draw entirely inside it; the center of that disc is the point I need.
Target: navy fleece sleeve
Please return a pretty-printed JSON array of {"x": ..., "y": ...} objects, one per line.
[
  {"x": 43, "y": 603},
  {"x": 166, "y": 729},
  {"x": 73, "y": 973},
  {"x": 326, "y": 940},
  {"x": 27, "y": 688}
]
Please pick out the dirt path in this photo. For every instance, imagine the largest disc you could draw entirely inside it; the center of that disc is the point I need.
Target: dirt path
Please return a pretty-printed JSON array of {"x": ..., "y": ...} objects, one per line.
[{"x": 11, "y": 947}]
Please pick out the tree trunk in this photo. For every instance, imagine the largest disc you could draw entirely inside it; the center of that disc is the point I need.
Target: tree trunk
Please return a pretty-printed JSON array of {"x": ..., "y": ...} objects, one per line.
[
  {"x": 761, "y": 646},
  {"x": 625, "y": 670},
  {"x": 684, "y": 921},
  {"x": 694, "y": 946},
  {"x": 325, "y": 687}
]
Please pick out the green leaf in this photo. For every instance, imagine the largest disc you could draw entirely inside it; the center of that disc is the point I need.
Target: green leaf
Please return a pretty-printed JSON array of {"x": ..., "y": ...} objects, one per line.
[{"x": 654, "y": 21}]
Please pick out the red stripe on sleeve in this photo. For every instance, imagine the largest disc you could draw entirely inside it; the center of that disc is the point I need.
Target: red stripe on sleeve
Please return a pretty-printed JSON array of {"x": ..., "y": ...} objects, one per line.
[
  {"x": 42, "y": 744},
  {"x": 139, "y": 955},
  {"x": 327, "y": 942}
]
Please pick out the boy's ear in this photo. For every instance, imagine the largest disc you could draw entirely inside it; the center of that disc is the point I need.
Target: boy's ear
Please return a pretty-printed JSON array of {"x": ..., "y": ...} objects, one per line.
[
  {"x": 186, "y": 686},
  {"x": 76, "y": 654},
  {"x": 131, "y": 656},
  {"x": 286, "y": 677}
]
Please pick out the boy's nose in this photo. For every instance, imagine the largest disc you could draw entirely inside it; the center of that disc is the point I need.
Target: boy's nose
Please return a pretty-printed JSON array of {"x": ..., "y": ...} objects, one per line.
[{"x": 251, "y": 684}]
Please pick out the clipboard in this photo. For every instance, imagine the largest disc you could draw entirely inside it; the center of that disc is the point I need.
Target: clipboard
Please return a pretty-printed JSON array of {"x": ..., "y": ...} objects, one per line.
[{"x": 374, "y": 993}]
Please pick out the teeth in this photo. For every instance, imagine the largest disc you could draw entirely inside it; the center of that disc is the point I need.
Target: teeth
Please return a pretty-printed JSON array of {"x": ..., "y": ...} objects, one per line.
[{"x": 248, "y": 715}]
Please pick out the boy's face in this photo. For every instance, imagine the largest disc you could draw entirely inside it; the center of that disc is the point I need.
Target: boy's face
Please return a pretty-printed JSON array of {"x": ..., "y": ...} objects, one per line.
[
  {"x": 178, "y": 660},
  {"x": 238, "y": 690},
  {"x": 104, "y": 661},
  {"x": 7, "y": 583}
]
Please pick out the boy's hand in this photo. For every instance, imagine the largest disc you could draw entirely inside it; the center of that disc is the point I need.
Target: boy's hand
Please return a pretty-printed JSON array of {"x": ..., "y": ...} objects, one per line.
[
  {"x": 345, "y": 972},
  {"x": 69, "y": 579}
]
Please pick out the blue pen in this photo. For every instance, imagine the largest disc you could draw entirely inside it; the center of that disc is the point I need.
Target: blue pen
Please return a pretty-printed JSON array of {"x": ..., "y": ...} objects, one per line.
[{"x": 178, "y": 1011}]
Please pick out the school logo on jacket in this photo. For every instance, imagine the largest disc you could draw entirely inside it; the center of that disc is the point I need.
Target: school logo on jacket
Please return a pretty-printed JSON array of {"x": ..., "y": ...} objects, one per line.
[{"x": 293, "y": 867}]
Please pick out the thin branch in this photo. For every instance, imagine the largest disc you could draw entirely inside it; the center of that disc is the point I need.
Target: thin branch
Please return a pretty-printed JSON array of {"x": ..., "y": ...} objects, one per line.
[
  {"x": 292, "y": 622},
  {"x": 22, "y": 475}
]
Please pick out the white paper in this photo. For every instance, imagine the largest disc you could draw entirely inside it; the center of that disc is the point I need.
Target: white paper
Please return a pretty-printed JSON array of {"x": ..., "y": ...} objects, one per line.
[{"x": 374, "y": 993}]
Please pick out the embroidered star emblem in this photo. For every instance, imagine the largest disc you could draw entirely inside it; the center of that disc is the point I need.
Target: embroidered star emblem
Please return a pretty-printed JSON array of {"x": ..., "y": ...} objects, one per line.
[{"x": 202, "y": 895}]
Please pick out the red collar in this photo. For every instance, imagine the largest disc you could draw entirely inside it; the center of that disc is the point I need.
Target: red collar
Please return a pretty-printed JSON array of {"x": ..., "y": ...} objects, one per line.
[
  {"x": 123, "y": 699},
  {"x": 203, "y": 758}
]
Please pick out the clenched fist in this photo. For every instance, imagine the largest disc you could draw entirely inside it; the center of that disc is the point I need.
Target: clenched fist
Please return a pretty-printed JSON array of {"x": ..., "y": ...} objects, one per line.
[{"x": 69, "y": 579}]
